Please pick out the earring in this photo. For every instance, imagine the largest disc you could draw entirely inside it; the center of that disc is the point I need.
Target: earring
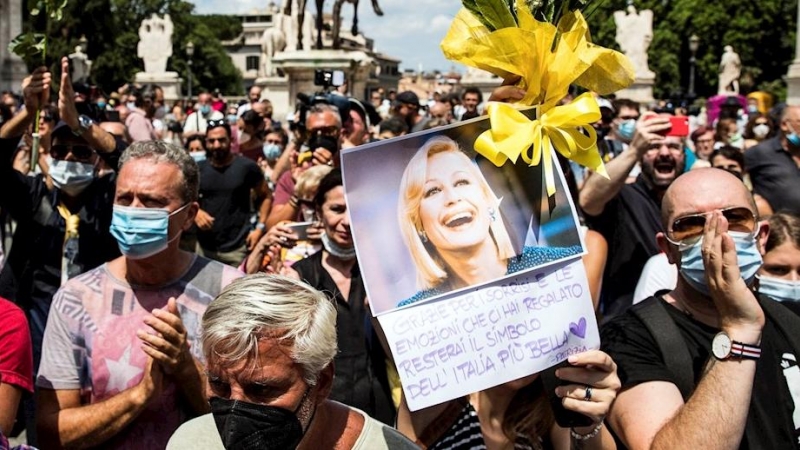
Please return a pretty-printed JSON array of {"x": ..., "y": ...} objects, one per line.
[
  {"x": 423, "y": 236},
  {"x": 492, "y": 214}
]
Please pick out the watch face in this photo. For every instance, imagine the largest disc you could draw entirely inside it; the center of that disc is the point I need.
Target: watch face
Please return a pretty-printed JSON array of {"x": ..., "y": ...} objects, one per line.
[{"x": 721, "y": 346}]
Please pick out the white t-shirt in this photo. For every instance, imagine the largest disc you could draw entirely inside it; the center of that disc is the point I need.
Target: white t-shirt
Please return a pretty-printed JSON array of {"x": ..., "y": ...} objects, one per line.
[
  {"x": 201, "y": 434},
  {"x": 658, "y": 274},
  {"x": 196, "y": 123}
]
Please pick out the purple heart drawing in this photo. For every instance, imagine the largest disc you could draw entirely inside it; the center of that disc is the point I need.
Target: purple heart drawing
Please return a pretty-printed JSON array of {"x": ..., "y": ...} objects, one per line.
[{"x": 578, "y": 329}]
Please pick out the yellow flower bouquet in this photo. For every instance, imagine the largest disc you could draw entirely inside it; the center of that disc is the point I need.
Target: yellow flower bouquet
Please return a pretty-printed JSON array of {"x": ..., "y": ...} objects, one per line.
[{"x": 544, "y": 46}]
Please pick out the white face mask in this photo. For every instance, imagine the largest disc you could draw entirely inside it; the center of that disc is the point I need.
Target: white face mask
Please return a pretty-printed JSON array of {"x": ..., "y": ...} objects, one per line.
[
  {"x": 70, "y": 176},
  {"x": 761, "y": 131}
]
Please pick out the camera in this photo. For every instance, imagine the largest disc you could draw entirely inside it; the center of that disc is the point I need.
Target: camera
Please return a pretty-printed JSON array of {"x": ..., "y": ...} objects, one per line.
[{"x": 328, "y": 78}]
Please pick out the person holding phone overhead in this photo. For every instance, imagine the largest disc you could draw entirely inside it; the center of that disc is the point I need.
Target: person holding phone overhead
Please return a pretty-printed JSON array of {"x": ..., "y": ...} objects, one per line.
[{"x": 450, "y": 221}]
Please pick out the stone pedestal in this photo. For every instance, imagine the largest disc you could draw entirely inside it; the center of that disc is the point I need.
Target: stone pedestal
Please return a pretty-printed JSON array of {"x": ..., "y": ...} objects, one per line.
[
  {"x": 12, "y": 68},
  {"x": 299, "y": 67},
  {"x": 793, "y": 83},
  {"x": 170, "y": 82},
  {"x": 640, "y": 91}
]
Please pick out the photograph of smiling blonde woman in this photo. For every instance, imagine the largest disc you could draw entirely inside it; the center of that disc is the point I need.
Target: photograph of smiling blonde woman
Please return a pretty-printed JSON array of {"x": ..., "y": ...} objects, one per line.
[{"x": 431, "y": 218}]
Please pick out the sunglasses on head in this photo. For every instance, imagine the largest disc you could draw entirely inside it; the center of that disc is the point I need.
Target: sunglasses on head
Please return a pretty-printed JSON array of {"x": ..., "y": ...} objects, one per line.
[
  {"x": 218, "y": 123},
  {"x": 61, "y": 151},
  {"x": 688, "y": 230}
]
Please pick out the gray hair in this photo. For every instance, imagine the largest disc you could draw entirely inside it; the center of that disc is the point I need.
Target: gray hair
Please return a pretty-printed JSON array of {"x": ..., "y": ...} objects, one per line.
[
  {"x": 320, "y": 108},
  {"x": 158, "y": 152},
  {"x": 258, "y": 306}
]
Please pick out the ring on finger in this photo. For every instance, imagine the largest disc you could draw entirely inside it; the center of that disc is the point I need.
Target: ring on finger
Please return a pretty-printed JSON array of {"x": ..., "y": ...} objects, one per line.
[
  {"x": 588, "y": 396},
  {"x": 283, "y": 238}
]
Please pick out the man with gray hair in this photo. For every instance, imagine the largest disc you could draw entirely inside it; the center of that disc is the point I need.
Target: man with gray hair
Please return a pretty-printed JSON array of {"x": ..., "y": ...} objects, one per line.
[
  {"x": 120, "y": 366},
  {"x": 269, "y": 342}
]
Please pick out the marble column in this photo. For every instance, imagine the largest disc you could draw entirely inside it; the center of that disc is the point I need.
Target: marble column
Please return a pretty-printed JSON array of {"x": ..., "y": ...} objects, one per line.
[
  {"x": 12, "y": 68},
  {"x": 793, "y": 77}
]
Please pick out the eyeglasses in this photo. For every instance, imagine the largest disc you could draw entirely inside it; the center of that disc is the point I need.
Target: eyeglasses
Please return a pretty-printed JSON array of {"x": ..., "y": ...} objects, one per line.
[
  {"x": 330, "y": 131},
  {"x": 47, "y": 118},
  {"x": 688, "y": 230},
  {"x": 61, "y": 151}
]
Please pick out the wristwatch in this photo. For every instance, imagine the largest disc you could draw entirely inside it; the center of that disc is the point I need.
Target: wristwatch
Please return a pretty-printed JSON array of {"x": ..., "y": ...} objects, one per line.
[
  {"x": 84, "y": 122},
  {"x": 261, "y": 226},
  {"x": 723, "y": 347}
]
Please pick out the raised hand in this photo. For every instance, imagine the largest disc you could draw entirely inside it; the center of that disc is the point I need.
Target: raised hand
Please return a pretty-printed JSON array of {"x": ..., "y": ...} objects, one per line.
[{"x": 168, "y": 346}]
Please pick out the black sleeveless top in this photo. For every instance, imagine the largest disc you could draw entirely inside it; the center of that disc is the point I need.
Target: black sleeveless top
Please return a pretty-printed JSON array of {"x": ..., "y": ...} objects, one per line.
[{"x": 360, "y": 378}]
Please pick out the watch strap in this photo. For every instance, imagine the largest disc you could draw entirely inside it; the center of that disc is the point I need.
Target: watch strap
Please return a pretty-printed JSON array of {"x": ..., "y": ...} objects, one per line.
[{"x": 742, "y": 350}]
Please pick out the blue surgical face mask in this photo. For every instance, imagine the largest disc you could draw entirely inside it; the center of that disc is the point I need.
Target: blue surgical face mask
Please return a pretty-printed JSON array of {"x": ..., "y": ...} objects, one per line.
[
  {"x": 792, "y": 137},
  {"x": 272, "y": 151},
  {"x": 627, "y": 129},
  {"x": 205, "y": 109},
  {"x": 232, "y": 119},
  {"x": 198, "y": 156},
  {"x": 141, "y": 232},
  {"x": 131, "y": 105},
  {"x": 101, "y": 105},
  {"x": 70, "y": 176},
  {"x": 747, "y": 254},
  {"x": 779, "y": 289}
]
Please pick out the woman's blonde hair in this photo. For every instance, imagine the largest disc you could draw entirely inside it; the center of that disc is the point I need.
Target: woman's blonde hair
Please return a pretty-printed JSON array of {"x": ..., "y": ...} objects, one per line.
[
  {"x": 430, "y": 268},
  {"x": 308, "y": 181}
]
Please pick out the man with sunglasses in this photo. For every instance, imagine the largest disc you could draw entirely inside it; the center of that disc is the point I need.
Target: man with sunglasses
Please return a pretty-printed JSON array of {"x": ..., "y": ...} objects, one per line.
[
  {"x": 324, "y": 131},
  {"x": 228, "y": 182},
  {"x": 628, "y": 215},
  {"x": 62, "y": 218},
  {"x": 774, "y": 165},
  {"x": 708, "y": 364}
]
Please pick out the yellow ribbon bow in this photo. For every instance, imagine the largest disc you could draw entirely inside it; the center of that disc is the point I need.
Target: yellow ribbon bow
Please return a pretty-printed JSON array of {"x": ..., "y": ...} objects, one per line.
[{"x": 567, "y": 129}]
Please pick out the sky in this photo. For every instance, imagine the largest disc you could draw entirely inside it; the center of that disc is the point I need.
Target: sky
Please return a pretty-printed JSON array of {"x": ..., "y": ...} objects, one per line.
[{"x": 409, "y": 30}]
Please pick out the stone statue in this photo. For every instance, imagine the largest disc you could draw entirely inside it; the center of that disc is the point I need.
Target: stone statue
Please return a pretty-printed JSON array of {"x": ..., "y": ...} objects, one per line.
[
  {"x": 155, "y": 43},
  {"x": 634, "y": 33},
  {"x": 337, "y": 19},
  {"x": 730, "y": 68},
  {"x": 80, "y": 64},
  {"x": 273, "y": 41},
  {"x": 301, "y": 14}
]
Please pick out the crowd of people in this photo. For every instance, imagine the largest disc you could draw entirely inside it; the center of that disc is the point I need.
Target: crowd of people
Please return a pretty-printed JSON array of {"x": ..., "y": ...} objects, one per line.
[{"x": 184, "y": 276}]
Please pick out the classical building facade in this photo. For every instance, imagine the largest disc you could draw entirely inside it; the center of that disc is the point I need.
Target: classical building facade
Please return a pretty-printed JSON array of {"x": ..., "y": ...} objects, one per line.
[{"x": 12, "y": 69}]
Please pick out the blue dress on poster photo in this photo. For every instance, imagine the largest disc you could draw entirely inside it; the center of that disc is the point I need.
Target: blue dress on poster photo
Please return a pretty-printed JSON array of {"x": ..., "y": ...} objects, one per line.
[{"x": 530, "y": 257}]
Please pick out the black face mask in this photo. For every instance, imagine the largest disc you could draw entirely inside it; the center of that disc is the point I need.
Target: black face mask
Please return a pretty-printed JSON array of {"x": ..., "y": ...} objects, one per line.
[{"x": 247, "y": 426}]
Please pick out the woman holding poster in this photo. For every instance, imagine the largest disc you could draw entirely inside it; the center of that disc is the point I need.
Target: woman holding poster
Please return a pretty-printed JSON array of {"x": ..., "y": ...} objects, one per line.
[
  {"x": 450, "y": 221},
  {"x": 518, "y": 414}
]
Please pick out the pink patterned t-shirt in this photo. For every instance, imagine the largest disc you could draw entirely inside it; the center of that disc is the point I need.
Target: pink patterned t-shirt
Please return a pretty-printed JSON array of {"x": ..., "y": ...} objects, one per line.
[{"x": 90, "y": 341}]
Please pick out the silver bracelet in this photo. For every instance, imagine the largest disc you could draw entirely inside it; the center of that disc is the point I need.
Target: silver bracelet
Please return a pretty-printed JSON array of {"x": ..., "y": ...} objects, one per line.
[{"x": 586, "y": 437}]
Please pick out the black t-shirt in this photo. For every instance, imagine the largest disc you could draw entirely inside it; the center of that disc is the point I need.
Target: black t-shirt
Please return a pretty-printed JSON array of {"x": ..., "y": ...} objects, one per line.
[
  {"x": 769, "y": 423},
  {"x": 775, "y": 175},
  {"x": 360, "y": 378},
  {"x": 629, "y": 223},
  {"x": 225, "y": 195}
]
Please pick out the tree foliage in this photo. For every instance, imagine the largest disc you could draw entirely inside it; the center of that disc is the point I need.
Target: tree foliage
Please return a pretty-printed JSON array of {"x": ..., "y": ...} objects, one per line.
[
  {"x": 762, "y": 33},
  {"x": 112, "y": 30}
]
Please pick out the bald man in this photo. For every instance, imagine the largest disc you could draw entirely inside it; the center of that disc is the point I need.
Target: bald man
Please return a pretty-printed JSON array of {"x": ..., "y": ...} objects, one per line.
[
  {"x": 774, "y": 165},
  {"x": 708, "y": 364}
]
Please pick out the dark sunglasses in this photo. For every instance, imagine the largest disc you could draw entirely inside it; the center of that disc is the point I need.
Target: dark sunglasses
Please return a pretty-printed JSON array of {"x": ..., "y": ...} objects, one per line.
[
  {"x": 330, "y": 131},
  {"x": 81, "y": 152},
  {"x": 688, "y": 230}
]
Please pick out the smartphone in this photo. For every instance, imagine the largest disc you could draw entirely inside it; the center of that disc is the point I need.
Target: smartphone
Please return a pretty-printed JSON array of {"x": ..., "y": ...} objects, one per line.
[
  {"x": 680, "y": 126},
  {"x": 564, "y": 417},
  {"x": 300, "y": 229}
]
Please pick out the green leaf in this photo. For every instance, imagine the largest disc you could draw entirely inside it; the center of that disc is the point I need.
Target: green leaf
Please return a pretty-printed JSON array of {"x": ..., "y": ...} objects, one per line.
[
  {"x": 35, "y": 11},
  {"x": 472, "y": 6},
  {"x": 27, "y": 45},
  {"x": 497, "y": 13}
]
